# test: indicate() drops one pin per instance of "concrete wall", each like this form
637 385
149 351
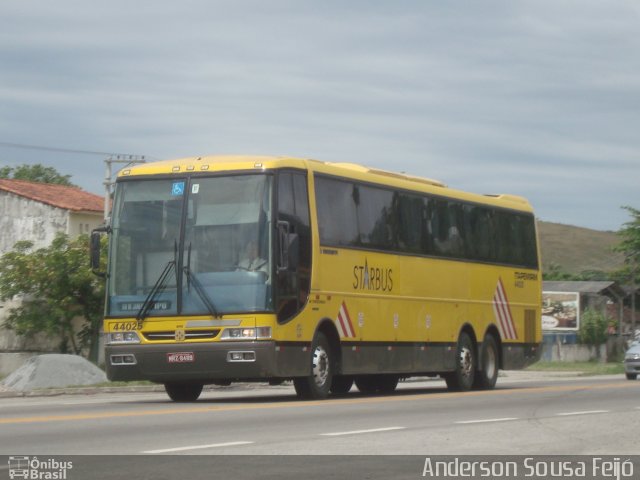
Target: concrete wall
83 223
564 348
558 352
24 219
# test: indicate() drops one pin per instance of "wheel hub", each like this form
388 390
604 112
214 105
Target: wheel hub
466 362
320 366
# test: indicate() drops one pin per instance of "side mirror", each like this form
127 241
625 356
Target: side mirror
94 250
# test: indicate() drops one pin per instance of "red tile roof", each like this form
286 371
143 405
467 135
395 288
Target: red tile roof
68 198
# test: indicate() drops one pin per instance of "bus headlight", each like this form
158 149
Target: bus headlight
259 333
120 338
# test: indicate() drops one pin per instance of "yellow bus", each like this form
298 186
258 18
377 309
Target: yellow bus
249 268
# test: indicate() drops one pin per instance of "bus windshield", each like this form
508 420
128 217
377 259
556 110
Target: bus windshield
215 230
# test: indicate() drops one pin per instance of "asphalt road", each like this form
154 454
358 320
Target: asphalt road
524 415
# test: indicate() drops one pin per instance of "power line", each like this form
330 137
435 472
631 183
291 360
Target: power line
60 150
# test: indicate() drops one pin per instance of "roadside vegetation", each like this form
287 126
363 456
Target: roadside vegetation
58 289
36 173
582 368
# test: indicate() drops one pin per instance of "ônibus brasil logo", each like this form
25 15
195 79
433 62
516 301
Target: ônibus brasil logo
36 469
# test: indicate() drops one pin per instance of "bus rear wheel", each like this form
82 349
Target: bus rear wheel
341 384
461 379
381 383
317 384
183 392
487 374
387 383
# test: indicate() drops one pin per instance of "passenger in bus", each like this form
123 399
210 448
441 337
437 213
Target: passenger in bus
252 261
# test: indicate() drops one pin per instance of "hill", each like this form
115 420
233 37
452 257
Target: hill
577 249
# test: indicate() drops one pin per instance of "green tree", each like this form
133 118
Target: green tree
555 272
594 275
593 328
629 246
57 286
36 173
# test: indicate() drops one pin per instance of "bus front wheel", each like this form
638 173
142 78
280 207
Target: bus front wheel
317 384
183 392
461 379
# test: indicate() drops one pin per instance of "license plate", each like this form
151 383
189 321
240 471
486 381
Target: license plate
181 357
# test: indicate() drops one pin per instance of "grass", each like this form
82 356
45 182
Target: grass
584 368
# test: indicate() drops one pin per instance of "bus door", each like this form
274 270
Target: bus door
293 255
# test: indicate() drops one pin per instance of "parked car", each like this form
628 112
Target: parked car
632 361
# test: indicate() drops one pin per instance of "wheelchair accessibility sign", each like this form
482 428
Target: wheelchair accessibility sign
177 189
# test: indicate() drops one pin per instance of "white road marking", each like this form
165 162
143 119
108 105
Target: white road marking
487 420
198 447
357 432
586 412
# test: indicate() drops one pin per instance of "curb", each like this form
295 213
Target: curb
53 392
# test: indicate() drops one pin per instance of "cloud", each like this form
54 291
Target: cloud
535 98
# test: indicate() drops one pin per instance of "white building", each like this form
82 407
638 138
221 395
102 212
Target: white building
37 212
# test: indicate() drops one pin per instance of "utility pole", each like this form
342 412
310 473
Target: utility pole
108 183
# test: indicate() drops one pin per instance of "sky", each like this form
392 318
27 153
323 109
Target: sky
535 98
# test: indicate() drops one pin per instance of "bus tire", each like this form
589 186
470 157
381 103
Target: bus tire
487 373
387 383
381 383
366 384
631 376
341 384
317 384
461 379
183 392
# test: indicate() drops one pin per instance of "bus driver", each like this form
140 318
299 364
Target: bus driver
252 262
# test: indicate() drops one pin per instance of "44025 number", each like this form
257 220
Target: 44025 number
123 326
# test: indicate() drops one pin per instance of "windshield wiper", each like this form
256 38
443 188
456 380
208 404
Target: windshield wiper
159 286
202 293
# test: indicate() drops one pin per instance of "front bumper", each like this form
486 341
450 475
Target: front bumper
202 362
632 366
